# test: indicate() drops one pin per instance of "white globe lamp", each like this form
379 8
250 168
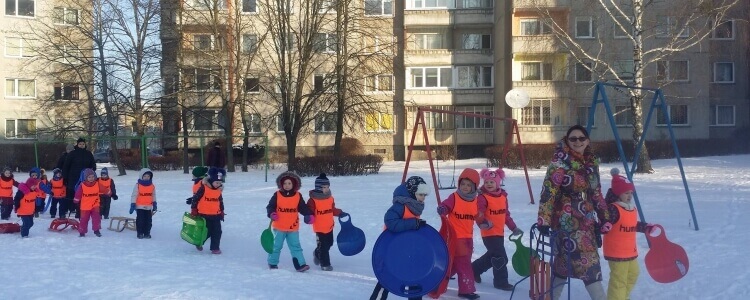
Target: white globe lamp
517 98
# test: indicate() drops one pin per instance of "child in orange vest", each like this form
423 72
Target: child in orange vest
199 173
321 203
284 209
108 191
37 173
461 209
58 194
619 245
492 204
6 193
25 202
404 214
208 203
143 202
87 196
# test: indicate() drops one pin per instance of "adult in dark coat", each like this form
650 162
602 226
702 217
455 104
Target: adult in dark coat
216 157
61 160
75 162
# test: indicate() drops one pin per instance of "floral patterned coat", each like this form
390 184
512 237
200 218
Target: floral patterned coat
572 205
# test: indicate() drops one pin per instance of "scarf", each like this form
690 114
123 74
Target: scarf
414 206
317 194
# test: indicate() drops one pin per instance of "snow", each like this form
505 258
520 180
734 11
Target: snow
51 265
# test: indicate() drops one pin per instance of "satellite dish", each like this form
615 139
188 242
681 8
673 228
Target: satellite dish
517 98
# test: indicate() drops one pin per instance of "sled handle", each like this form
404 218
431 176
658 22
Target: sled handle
510 237
345 215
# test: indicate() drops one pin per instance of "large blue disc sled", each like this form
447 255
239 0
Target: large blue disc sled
351 240
410 263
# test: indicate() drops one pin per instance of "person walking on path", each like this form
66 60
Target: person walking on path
75 162
216 157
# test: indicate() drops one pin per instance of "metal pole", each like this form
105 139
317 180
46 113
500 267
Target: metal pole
36 153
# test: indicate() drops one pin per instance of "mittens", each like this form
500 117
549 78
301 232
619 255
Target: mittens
544 230
309 219
606 227
442 210
114 197
154 205
486 225
132 208
649 227
517 231
189 201
194 212
274 216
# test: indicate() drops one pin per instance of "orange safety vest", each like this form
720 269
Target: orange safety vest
104 186
89 196
497 207
209 204
462 217
197 186
323 215
6 188
39 192
58 189
145 195
407 215
28 204
620 241
287 209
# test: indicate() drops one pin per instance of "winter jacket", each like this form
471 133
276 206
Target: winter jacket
394 217
134 195
75 162
199 196
216 158
112 188
24 205
6 189
61 161
324 216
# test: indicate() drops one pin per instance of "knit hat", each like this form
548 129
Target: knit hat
321 180
104 171
69 147
296 182
216 174
80 139
423 188
32 182
412 185
56 171
470 174
620 184
497 176
200 172
36 171
87 172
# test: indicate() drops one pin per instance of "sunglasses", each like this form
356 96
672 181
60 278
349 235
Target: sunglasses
577 139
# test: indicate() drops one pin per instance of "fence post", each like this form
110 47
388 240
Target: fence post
202 143
36 153
265 153
144 152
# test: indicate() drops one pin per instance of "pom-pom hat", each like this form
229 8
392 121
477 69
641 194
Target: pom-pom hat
620 184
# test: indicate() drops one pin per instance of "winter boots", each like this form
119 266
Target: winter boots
298 267
326 268
273 267
471 296
504 286
596 291
217 251
97 233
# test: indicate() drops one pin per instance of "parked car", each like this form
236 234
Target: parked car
102 156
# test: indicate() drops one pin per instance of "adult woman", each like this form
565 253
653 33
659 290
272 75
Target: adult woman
572 207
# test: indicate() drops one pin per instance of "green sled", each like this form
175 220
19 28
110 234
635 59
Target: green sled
194 229
522 257
266 239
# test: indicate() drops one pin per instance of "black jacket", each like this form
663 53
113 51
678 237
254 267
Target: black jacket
75 162
61 161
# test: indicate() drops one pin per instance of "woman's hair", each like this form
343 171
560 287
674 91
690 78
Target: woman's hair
577 127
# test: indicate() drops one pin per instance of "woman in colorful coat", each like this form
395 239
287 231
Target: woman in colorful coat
572 207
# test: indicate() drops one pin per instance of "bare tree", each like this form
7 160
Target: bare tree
652 39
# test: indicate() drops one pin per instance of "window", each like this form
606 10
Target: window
379 44
289 45
17 47
724 72
474 76
585 27
538 112
536 71
582 115
379 122
324 83
627 25
378 8
65 16
477 3
19 8
280 123
202 42
66 91
327 7
20 88
249 6
468 122
534 27
476 41
203 79
722 115
71 55
325 42
428 41
625 69
678 115
724 30
249 43
671 26
20 129
379 83
209 4
431 77
623 115
205 119
254 121
325 122
676 70
417 4
583 72
252 85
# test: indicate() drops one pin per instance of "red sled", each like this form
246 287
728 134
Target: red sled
61 224
448 234
10 227
666 261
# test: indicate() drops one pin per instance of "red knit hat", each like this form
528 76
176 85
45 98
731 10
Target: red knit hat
470 174
32 182
620 184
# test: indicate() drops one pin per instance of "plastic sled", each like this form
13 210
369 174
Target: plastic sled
666 261
350 240
122 224
61 224
447 234
194 229
522 257
266 239
10 227
410 263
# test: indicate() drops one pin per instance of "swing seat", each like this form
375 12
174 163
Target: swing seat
122 224
61 224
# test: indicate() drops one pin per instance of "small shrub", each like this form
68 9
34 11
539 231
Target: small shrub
352 146
338 166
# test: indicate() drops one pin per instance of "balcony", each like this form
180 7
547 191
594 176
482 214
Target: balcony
526 5
484 96
448 56
545 88
445 17
537 44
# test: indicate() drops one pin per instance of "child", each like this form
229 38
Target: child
198 174
35 172
58 194
492 205
284 209
87 196
322 205
6 193
108 191
461 209
404 214
143 201
25 202
619 241
208 203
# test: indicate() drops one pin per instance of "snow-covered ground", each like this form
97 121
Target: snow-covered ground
51 265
